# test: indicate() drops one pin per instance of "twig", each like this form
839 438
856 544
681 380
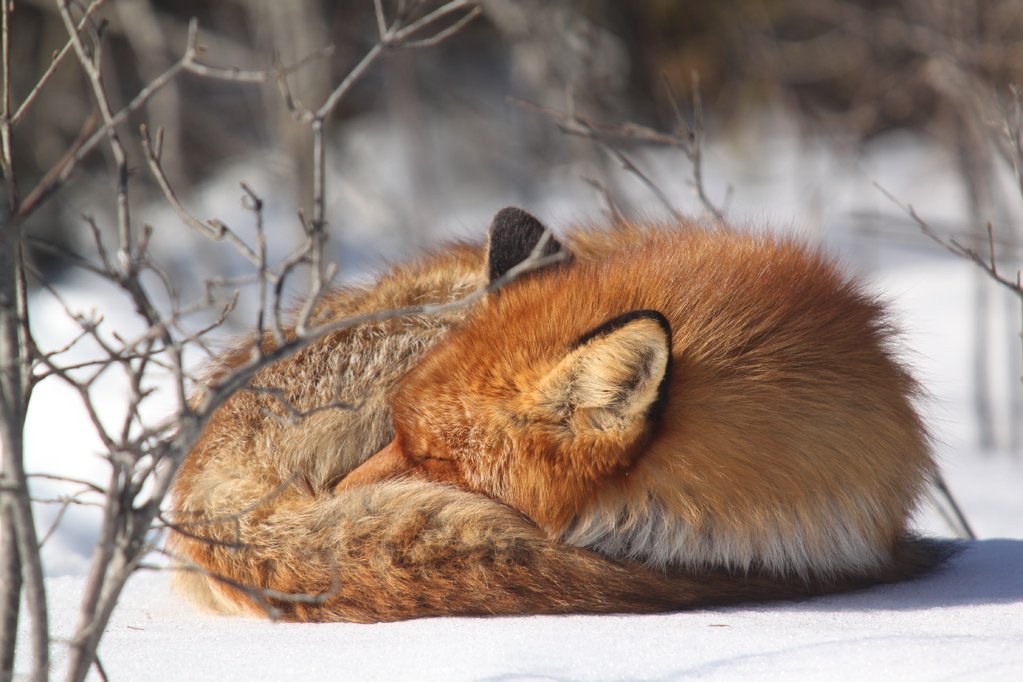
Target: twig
15 507
214 229
99 668
93 71
140 453
446 33
30 98
610 138
6 120
400 34
296 415
92 487
397 36
611 206
188 62
694 151
955 247
964 528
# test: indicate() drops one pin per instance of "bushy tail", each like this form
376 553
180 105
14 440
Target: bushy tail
408 549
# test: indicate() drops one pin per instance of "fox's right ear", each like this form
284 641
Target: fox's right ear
613 378
514 234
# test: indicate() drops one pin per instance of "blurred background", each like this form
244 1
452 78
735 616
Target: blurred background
439 124
802 107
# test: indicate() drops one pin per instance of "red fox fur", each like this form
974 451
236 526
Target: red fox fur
670 417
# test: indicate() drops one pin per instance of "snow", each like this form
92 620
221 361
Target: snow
965 622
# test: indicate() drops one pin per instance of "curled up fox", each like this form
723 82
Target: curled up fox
661 417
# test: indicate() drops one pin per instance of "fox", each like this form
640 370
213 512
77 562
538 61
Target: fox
661 417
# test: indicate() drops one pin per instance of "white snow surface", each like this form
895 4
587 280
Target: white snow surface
965 622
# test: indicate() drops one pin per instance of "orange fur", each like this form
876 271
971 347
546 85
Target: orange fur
786 441
741 412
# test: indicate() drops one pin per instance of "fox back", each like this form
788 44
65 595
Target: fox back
693 399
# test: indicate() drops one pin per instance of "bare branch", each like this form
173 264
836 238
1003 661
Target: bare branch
6 121
955 247
958 521
143 453
214 229
92 487
91 65
610 205
446 33
610 139
402 37
694 134
54 63
15 508
63 170
378 10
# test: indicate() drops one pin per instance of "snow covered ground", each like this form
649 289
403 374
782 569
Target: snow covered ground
964 623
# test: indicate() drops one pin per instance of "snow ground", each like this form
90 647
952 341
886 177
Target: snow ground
964 623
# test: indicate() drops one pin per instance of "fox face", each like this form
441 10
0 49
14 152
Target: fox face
688 398
582 413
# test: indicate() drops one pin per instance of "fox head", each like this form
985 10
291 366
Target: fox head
540 416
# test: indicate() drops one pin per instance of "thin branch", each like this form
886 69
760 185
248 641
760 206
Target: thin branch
6 121
295 415
614 213
955 247
15 508
92 487
695 150
350 80
233 518
30 98
188 62
961 524
395 37
378 10
239 378
446 33
403 37
93 70
608 138
213 229
236 75
688 139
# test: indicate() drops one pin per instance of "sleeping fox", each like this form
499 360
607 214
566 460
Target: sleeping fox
665 417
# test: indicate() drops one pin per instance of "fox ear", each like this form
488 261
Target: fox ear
614 375
514 234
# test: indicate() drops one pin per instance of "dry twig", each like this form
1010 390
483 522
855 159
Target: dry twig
140 452
687 138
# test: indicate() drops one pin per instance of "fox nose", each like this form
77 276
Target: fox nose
387 463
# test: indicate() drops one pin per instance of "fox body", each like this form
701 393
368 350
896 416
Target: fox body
668 417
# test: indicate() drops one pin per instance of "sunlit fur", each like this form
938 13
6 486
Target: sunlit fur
755 473
258 529
256 458
786 441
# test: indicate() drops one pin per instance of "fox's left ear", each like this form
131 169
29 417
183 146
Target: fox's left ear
514 234
614 376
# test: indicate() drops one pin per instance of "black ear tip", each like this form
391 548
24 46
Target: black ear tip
514 233
514 218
